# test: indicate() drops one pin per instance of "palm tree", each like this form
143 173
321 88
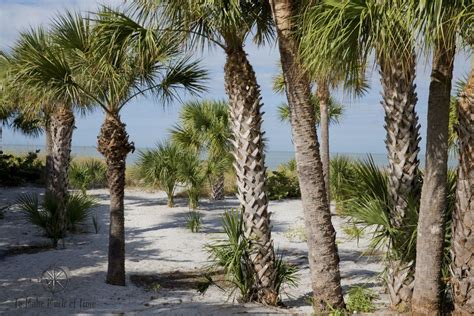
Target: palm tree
204 128
227 25
342 35
322 250
125 60
462 264
439 25
30 77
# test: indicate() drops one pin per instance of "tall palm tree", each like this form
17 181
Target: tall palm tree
462 248
204 128
31 76
462 263
439 25
125 60
322 250
342 35
227 25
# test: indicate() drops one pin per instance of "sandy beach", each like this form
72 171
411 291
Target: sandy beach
158 247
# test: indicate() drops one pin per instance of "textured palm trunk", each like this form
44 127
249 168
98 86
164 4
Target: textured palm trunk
323 96
246 121
113 144
49 155
431 222
462 244
322 250
62 126
402 142
217 188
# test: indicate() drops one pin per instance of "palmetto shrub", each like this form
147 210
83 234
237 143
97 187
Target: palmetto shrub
193 173
88 174
362 190
341 174
169 165
232 254
194 221
159 168
45 214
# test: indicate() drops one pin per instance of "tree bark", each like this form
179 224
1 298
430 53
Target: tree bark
62 126
431 222
49 156
323 96
322 250
246 121
402 142
462 243
217 188
113 144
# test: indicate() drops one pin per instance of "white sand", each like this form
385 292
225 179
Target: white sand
157 243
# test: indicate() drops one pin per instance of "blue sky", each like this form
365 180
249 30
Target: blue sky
360 131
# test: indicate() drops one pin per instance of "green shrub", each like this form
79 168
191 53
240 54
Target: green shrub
194 221
283 182
342 175
282 186
159 168
17 170
78 207
232 254
88 174
360 300
193 173
45 215
171 164
367 204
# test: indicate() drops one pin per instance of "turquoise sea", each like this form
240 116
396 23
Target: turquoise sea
273 158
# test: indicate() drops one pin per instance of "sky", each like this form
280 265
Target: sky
360 130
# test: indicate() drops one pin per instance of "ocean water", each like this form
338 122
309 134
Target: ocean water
273 158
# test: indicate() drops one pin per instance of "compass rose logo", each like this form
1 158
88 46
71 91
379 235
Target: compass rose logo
54 279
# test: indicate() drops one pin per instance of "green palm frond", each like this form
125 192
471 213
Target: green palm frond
213 22
336 111
341 35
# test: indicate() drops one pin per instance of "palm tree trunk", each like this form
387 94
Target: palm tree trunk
322 250
462 244
217 188
323 96
403 137
431 222
62 126
113 144
246 121
49 155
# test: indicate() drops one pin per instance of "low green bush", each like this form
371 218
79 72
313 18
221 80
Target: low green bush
45 214
360 300
18 170
88 174
233 255
194 221
281 186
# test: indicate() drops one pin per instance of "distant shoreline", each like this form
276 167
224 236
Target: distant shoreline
273 157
